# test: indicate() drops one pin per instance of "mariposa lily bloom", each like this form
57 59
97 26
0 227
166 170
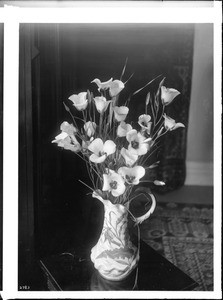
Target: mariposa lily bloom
102 85
128 156
137 144
120 112
114 183
116 87
101 104
101 150
90 128
64 141
168 94
144 122
132 175
68 128
79 101
123 129
170 123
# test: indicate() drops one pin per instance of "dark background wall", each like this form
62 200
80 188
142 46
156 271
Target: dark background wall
55 62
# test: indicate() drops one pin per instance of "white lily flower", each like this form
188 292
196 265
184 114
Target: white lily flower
144 122
114 183
170 123
120 112
101 150
129 157
116 87
79 101
68 128
102 85
123 129
101 104
137 144
64 141
132 175
89 128
168 94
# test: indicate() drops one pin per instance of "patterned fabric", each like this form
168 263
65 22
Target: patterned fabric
172 168
184 235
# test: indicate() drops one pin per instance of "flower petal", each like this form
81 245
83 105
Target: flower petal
168 94
143 149
129 158
101 104
60 136
116 87
97 159
139 171
119 191
169 123
123 171
131 135
102 85
120 188
106 183
178 125
96 146
68 128
109 147
120 112
79 101
123 129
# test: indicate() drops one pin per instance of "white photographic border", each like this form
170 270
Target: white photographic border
96 12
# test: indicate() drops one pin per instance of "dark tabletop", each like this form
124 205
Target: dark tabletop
70 272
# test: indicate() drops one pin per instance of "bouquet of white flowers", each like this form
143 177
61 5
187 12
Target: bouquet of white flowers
116 151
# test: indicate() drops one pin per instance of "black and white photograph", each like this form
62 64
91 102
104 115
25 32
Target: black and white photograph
116 157
109 163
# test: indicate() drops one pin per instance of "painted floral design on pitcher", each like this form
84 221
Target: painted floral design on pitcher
114 255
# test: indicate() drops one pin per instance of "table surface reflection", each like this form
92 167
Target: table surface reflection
66 272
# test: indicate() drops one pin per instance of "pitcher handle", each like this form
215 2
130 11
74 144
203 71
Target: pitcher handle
149 195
